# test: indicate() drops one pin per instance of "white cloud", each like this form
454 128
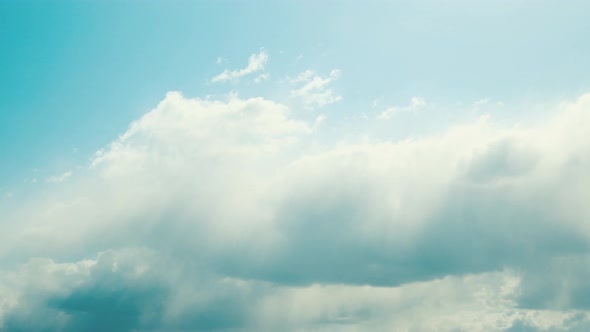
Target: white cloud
261 78
481 102
314 90
416 103
210 212
319 120
59 178
485 102
256 63
30 180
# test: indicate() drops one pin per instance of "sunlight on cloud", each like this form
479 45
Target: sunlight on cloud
234 214
239 166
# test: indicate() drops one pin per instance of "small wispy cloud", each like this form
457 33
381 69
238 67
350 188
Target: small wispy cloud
261 78
30 180
486 102
256 63
416 103
59 178
481 102
319 120
314 90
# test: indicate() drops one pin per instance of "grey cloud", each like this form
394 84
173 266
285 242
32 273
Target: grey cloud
505 158
557 283
233 228
130 290
576 322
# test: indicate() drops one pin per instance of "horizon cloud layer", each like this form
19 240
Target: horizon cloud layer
238 215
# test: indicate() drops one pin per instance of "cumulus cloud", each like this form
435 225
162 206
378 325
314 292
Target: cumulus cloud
314 90
235 215
256 63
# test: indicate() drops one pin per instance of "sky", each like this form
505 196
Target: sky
294 166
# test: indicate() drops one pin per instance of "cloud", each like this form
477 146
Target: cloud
236 215
256 63
481 102
59 178
319 120
121 291
138 289
415 104
374 103
314 90
261 78
486 101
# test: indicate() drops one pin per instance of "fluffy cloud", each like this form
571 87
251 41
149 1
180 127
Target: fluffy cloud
221 215
314 90
256 63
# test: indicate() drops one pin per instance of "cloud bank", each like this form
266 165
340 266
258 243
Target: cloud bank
234 214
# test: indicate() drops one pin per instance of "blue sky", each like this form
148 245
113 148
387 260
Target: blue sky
201 165
75 73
